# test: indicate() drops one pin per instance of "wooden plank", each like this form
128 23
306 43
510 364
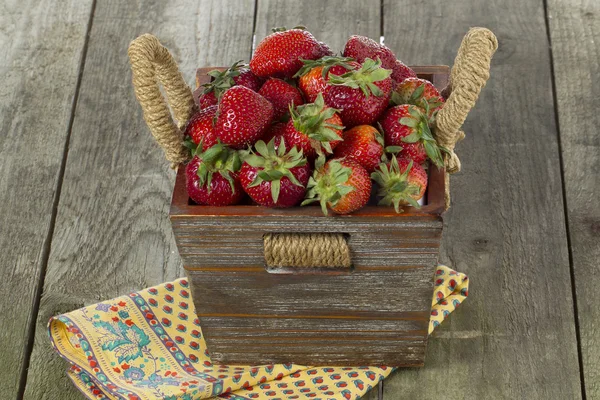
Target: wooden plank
112 231
330 21
41 45
574 29
514 337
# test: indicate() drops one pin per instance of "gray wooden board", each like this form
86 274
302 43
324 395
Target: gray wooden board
515 336
112 231
574 31
41 47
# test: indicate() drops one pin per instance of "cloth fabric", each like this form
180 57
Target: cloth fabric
149 345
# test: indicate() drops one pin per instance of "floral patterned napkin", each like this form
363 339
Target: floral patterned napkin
149 345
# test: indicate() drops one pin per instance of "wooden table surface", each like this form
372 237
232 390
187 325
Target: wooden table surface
84 191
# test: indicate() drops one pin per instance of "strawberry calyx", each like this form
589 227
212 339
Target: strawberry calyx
283 28
311 120
328 185
394 186
363 78
223 80
386 149
419 122
326 62
273 164
217 159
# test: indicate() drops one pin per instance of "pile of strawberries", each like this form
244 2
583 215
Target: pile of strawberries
299 125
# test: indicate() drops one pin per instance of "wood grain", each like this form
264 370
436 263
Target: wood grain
514 337
225 263
574 31
112 231
41 48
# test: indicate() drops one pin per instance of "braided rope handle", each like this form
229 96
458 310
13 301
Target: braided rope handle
469 75
152 64
306 250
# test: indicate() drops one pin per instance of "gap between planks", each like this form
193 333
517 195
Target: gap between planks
565 205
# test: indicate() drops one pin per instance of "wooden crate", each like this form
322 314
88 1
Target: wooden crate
374 313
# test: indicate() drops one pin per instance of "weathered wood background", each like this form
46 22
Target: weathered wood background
84 192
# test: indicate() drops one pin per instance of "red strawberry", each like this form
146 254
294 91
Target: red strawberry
280 53
212 176
419 92
407 126
401 182
314 128
207 99
325 50
361 95
341 185
281 95
400 72
275 178
237 74
248 79
313 74
275 131
243 117
360 48
201 127
362 144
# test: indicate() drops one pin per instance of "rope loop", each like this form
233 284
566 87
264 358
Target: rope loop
152 64
469 75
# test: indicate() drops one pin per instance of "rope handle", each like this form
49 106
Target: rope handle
468 76
306 250
152 64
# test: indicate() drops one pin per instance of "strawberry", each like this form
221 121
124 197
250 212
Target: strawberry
400 72
314 128
274 131
401 182
362 144
313 74
237 74
419 92
341 185
212 176
361 95
207 99
325 50
275 177
407 126
200 128
243 117
280 53
361 47
248 79
281 94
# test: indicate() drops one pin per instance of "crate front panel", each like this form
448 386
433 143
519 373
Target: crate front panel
377 312
315 341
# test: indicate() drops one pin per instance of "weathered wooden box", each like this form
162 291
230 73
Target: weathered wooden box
373 313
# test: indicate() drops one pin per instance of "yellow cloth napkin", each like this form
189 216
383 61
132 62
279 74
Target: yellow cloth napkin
149 345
